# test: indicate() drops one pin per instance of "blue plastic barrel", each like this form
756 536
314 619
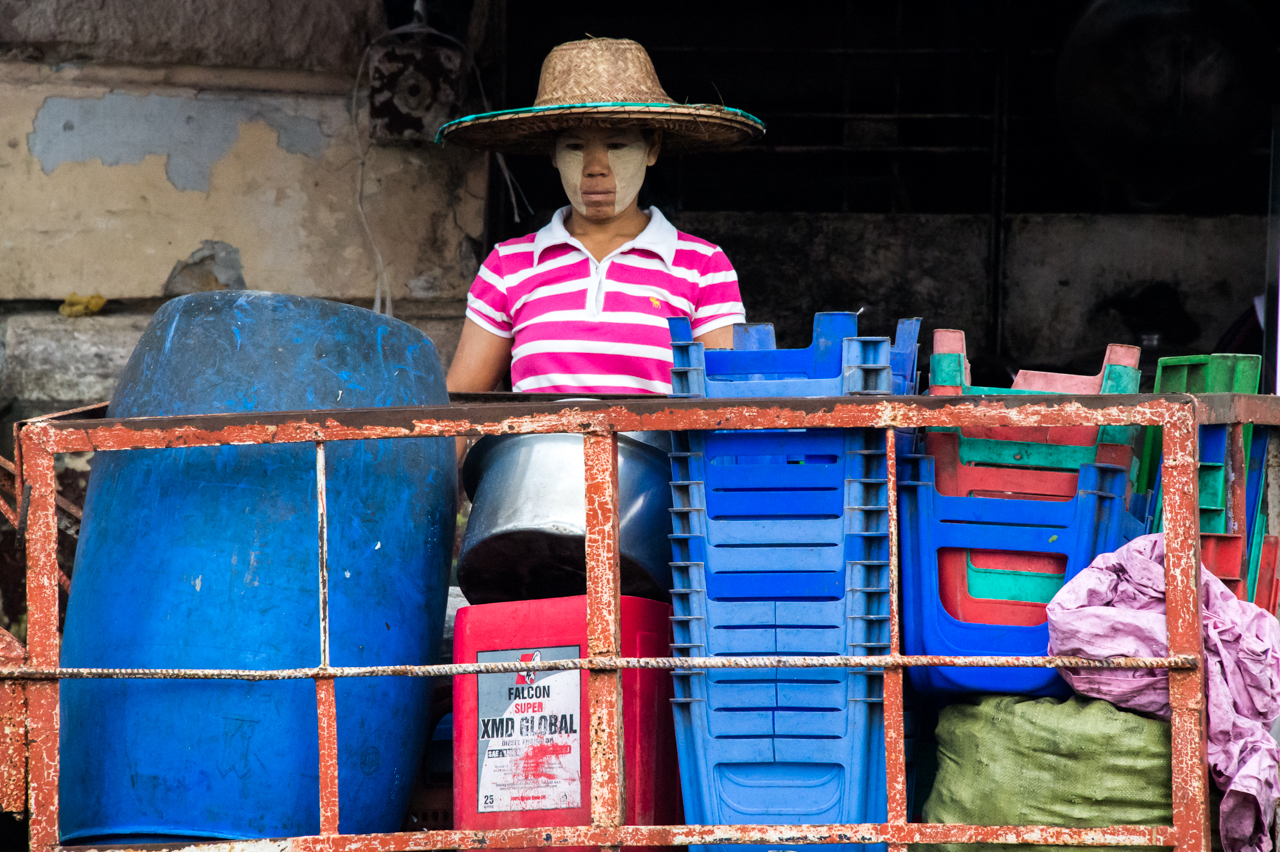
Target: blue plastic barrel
207 558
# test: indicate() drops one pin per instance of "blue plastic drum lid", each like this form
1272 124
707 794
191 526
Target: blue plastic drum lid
207 558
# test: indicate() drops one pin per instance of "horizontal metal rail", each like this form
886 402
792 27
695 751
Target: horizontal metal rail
681 835
600 664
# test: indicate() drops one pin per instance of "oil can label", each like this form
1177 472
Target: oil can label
529 745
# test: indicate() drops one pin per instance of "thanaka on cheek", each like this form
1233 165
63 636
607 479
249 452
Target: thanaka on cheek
628 165
569 163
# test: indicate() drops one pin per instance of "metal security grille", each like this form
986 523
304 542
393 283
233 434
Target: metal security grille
907 106
36 679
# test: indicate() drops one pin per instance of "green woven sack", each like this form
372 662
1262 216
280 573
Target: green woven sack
1079 763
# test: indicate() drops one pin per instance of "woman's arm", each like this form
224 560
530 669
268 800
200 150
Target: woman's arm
719 338
480 362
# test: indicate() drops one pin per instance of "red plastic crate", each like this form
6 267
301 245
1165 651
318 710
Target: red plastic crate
1222 555
1268 591
1021 483
535 772
961 480
953 586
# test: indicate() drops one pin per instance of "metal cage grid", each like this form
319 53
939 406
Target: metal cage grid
29 686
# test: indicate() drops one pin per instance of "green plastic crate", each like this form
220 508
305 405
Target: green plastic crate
999 585
947 369
1222 373
1255 555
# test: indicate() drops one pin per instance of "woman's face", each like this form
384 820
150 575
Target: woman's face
602 168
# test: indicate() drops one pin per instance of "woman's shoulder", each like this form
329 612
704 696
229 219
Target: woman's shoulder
516 246
696 253
511 255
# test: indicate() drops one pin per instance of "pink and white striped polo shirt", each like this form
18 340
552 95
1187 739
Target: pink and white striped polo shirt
582 326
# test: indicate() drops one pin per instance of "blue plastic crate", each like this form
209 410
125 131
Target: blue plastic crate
782 546
1091 523
903 357
837 363
775 507
1253 483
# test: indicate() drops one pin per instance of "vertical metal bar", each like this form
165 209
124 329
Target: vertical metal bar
13 747
999 190
899 201
42 639
608 776
327 716
1237 498
326 703
1182 599
894 737
1270 363
845 72
322 524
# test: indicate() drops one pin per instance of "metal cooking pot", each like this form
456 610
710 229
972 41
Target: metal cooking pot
526 538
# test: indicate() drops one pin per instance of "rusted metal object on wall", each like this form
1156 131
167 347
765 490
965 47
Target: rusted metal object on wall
415 87
599 421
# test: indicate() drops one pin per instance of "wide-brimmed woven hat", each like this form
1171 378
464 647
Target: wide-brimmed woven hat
602 81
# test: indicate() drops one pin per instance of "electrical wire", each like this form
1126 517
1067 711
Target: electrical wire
382 288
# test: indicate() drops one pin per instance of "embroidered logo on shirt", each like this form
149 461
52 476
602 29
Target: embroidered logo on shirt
655 301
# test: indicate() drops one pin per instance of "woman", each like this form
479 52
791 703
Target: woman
581 305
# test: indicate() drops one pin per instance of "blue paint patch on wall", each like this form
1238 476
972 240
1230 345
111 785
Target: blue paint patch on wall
193 132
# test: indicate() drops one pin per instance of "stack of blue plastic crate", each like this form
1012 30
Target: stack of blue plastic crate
781 545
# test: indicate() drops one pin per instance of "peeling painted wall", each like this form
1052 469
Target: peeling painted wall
105 190
313 35
190 133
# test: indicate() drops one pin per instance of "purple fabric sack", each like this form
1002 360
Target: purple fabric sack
1115 608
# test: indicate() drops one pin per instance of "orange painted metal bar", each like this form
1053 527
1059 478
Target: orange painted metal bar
893 708
42 643
598 422
603 417
685 835
1182 605
326 702
604 688
327 714
1237 499
13 747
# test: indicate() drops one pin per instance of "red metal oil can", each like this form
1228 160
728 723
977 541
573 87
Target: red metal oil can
520 740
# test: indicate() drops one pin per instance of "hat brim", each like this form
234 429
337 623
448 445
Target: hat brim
685 127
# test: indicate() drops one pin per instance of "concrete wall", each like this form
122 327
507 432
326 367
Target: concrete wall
150 148
1075 283
1072 283
316 35
791 266
142 184
106 188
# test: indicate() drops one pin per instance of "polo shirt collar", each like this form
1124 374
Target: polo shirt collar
659 236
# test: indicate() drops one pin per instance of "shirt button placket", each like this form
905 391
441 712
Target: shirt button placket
601 271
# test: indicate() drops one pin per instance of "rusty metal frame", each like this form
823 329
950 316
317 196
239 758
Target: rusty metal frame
39 674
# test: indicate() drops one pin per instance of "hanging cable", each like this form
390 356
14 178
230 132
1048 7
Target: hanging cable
382 288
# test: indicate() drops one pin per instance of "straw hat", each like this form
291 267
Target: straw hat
602 80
